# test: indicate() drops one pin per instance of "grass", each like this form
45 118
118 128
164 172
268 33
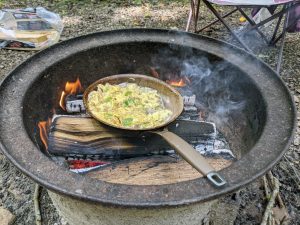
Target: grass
72 3
63 7
2 3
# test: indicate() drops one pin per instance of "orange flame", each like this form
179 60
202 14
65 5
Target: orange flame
44 126
180 83
62 100
70 88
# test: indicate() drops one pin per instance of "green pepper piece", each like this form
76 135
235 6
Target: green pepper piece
127 121
131 101
108 99
128 93
108 115
128 102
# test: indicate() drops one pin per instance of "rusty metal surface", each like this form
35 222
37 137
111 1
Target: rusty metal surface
19 148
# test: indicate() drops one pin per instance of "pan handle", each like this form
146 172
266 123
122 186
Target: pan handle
193 157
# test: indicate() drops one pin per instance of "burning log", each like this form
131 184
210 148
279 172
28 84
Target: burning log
85 136
189 100
77 135
74 104
152 170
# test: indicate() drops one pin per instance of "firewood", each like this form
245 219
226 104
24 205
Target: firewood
152 170
77 135
80 135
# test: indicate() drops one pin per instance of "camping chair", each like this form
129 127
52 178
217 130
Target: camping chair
240 6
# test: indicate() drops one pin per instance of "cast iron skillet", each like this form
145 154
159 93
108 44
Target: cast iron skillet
174 102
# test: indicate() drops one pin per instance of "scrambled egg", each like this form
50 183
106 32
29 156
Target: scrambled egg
128 105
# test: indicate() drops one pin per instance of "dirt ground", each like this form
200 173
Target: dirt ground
82 17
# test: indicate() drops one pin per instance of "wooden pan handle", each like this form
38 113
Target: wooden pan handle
194 158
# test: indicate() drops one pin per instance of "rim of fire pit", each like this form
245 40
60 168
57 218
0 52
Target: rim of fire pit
274 141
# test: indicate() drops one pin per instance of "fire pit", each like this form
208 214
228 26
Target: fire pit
247 101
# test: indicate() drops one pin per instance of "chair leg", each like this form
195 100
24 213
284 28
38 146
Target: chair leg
193 15
214 11
188 24
283 11
279 60
275 30
196 15
215 21
252 23
280 36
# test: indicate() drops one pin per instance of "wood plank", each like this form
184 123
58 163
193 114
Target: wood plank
77 135
76 124
83 135
79 124
152 170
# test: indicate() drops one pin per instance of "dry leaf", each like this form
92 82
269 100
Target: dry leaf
280 214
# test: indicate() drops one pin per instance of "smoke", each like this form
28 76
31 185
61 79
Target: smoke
252 40
255 40
196 68
218 90
215 82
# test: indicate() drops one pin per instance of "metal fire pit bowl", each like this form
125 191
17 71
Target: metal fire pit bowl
259 134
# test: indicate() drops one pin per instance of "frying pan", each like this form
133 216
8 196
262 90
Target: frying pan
172 101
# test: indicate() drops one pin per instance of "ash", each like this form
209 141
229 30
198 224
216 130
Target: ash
212 147
217 147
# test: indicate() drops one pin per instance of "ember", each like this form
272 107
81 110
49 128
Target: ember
179 83
182 82
80 164
71 88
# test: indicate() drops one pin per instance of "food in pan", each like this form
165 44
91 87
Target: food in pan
128 105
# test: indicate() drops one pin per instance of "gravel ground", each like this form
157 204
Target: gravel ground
16 190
